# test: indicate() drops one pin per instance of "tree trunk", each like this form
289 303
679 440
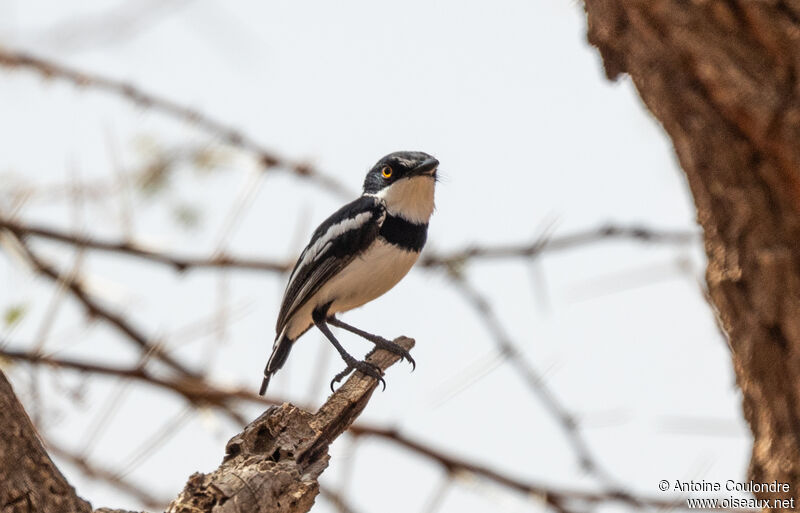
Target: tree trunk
722 77
29 480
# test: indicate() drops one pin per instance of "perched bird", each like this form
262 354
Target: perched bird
360 252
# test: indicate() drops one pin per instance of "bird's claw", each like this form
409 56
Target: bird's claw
366 368
393 347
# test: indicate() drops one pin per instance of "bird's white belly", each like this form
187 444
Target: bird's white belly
367 277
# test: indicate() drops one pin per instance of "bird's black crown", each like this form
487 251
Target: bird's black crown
397 166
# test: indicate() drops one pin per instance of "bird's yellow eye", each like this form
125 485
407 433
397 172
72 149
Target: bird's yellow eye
386 172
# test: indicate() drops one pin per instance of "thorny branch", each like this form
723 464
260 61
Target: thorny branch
179 263
539 246
535 382
526 250
197 390
142 98
557 498
96 309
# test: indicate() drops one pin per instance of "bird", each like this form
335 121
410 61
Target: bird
356 255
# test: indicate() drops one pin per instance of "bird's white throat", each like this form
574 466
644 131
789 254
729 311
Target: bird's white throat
410 198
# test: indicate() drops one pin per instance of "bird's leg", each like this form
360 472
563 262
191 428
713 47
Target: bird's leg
352 364
380 342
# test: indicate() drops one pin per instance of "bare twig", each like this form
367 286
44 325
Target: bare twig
439 495
529 374
142 98
336 499
557 498
179 263
196 390
537 385
428 260
540 245
96 309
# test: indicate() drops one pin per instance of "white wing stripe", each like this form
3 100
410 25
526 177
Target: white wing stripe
320 245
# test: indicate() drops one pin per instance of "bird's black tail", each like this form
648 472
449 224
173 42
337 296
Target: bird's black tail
280 352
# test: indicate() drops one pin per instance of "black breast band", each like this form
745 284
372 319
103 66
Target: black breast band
404 234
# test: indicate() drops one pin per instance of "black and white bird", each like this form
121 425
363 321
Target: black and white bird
360 252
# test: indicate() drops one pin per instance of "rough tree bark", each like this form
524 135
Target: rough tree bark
722 78
29 480
270 467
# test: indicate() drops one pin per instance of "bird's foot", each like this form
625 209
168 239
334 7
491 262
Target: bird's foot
393 347
380 342
366 368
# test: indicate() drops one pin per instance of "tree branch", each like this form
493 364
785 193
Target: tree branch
429 259
142 98
542 245
534 381
557 498
196 390
179 263
96 309
274 464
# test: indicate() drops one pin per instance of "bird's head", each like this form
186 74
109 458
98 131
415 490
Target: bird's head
405 181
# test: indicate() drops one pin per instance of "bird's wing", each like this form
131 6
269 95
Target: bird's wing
337 241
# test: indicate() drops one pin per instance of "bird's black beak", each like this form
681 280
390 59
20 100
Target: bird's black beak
427 167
